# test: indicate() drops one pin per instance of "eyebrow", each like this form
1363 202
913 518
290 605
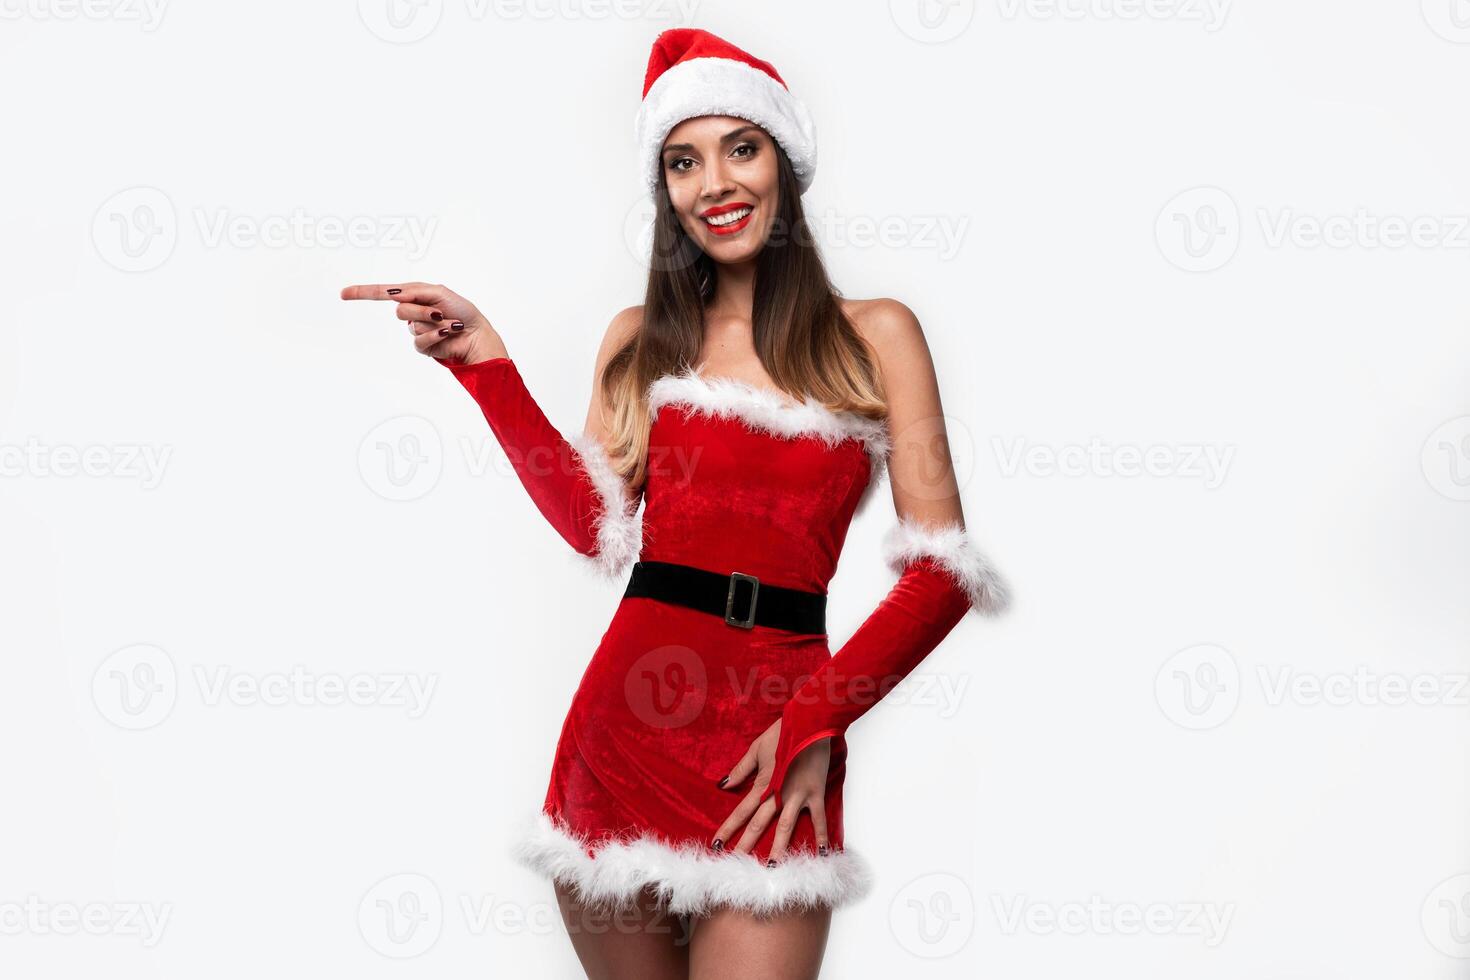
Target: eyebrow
685 147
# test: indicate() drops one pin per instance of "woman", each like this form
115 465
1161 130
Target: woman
752 411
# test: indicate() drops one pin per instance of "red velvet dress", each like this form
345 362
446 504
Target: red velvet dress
739 479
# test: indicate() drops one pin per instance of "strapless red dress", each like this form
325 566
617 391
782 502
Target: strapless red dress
742 479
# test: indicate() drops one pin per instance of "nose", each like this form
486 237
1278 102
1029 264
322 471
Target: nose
717 180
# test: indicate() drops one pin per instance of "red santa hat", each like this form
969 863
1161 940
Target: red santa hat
694 73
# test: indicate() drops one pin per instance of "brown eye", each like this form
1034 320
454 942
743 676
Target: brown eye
744 146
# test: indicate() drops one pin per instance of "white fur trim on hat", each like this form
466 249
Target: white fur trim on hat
724 87
618 526
766 411
688 878
955 551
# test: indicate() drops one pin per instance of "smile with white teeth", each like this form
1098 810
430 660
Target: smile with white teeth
729 217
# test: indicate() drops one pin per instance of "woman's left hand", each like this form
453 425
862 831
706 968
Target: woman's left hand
805 788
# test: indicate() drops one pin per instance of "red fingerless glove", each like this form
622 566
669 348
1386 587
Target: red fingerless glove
942 575
572 482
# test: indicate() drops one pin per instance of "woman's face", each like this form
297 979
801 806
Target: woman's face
721 173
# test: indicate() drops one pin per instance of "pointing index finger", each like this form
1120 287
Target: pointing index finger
373 291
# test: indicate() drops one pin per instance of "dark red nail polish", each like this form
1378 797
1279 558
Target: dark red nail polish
394 292
458 324
770 862
723 781
444 332
718 845
822 850
436 315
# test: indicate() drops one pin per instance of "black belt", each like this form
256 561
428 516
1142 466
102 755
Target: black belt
722 595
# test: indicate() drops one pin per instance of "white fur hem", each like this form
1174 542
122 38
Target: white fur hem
724 87
766 411
618 527
688 878
952 546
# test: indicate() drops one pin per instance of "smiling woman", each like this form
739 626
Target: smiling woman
700 768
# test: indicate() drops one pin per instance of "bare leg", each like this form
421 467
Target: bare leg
635 943
732 945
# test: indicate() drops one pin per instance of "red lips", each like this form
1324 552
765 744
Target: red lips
733 226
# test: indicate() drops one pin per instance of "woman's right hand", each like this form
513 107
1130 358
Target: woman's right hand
444 324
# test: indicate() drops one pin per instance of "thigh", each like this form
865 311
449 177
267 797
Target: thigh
729 944
634 943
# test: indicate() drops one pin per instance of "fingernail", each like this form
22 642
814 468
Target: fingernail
436 315
822 850
394 292
456 325
723 781
444 332
718 845
770 862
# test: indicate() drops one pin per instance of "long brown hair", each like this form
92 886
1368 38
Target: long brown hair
804 341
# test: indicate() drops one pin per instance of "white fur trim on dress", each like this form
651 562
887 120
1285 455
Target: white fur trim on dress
765 411
618 527
724 87
952 546
688 878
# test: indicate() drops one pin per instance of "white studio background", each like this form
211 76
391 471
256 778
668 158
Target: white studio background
1193 272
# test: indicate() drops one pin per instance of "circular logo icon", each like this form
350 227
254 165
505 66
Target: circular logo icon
400 21
1445 916
1199 230
933 916
402 458
1198 687
1450 19
1446 459
932 21
136 687
401 916
666 687
945 442
135 230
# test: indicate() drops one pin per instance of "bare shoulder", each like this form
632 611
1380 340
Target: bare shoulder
624 326
896 336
